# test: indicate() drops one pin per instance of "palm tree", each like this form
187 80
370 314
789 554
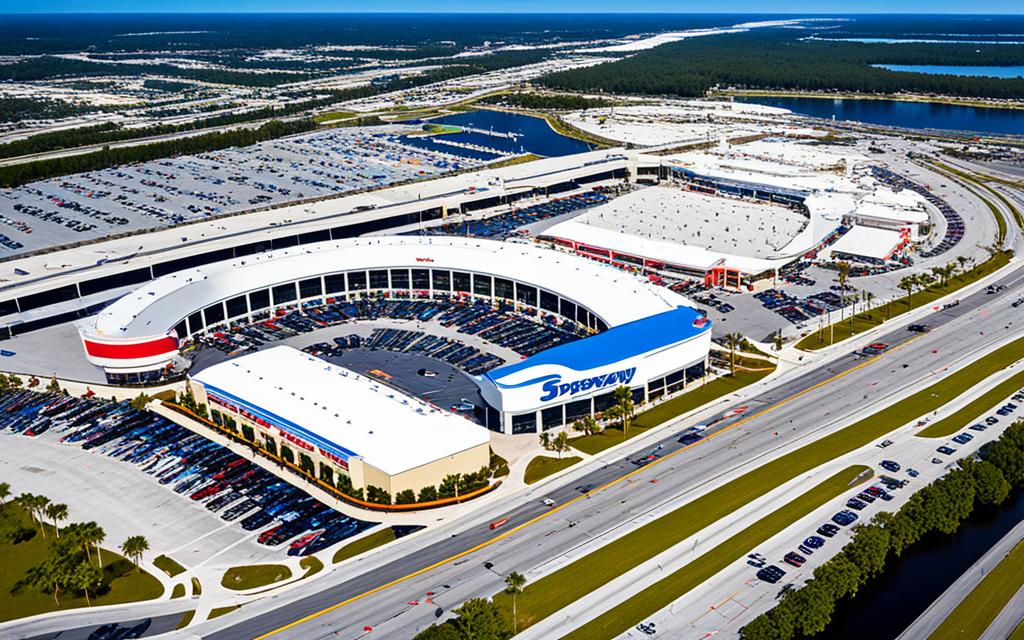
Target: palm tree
907 283
624 402
843 268
964 261
515 581
85 577
5 492
27 501
40 503
734 340
91 534
586 425
561 443
545 440
134 547
57 512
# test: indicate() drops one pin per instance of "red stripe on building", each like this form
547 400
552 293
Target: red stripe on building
131 351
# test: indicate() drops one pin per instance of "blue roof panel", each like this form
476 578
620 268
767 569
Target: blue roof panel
616 344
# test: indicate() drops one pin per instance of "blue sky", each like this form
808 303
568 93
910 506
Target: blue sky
727 6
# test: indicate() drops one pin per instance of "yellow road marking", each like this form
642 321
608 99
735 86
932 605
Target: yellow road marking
555 509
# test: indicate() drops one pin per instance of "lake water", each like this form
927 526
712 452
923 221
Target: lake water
888 605
980 72
533 135
910 115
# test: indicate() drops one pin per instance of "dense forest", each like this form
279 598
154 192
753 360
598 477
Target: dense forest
17 109
547 101
45 67
777 60
18 174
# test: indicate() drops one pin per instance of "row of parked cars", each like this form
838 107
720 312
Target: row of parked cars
186 463
954 221
469 359
772 573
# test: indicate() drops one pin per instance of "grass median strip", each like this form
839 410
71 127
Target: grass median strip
254 575
543 466
573 581
664 592
364 544
953 423
981 606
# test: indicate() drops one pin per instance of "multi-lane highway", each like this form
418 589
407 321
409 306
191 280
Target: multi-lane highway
450 563
606 497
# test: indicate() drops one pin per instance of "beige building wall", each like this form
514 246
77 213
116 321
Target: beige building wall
362 474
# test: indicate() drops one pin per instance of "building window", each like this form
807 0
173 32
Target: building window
482 285
421 278
503 289
259 299
284 293
442 280
334 283
237 307
310 288
551 417
356 280
526 294
379 279
576 409
399 278
213 314
548 301
524 423
461 281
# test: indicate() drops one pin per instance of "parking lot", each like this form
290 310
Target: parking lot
190 497
171 191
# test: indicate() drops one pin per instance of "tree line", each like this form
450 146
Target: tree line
68 567
779 60
110 132
545 101
939 508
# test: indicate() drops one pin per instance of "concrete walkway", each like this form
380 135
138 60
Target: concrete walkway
938 611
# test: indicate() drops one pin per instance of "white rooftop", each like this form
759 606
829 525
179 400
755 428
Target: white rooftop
388 429
866 241
155 308
716 223
661 250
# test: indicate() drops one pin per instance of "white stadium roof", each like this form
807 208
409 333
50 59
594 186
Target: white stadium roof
388 429
613 295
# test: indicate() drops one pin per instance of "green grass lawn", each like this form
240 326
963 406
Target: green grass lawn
364 544
556 590
311 565
186 618
543 466
197 588
697 396
333 115
168 566
957 421
122 582
178 591
662 593
254 575
866 320
1018 632
973 615
219 611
